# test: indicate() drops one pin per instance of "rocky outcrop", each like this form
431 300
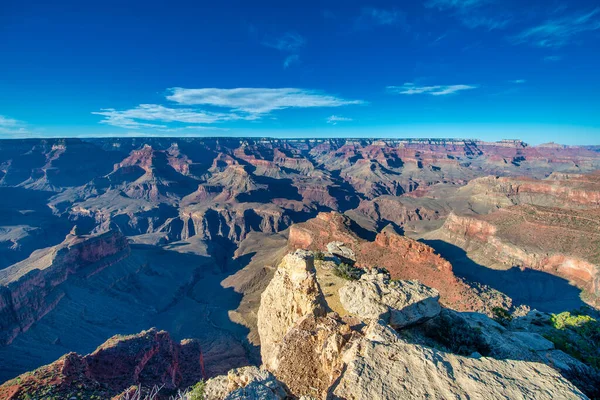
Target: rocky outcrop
382 365
551 240
343 252
232 221
558 190
309 360
400 303
403 257
31 288
245 383
148 358
403 211
322 356
292 293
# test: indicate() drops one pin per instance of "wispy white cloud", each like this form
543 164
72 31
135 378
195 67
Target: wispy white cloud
446 4
257 101
289 42
436 90
382 17
12 127
158 116
225 105
370 17
6 122
334 119
291 60
553 58
486 22
561 31
518 81
473 14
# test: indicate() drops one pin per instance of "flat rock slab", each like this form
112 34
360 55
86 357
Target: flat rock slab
382 366
340 250
400 303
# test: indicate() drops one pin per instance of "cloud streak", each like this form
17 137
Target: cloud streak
561 31
370 17
436 90
291 60
473 14
460 4
334 119
159 116
218 106
257 101
12 127
290 42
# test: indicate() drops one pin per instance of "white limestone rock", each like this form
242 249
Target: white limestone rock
400 303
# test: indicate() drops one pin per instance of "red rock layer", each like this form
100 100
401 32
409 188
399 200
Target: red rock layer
149 358
405 258
558 241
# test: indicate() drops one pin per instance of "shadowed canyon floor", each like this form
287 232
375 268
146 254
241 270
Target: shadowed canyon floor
186 234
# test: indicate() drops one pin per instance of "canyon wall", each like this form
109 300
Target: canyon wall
31 289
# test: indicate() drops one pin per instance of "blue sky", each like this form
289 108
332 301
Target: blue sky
487 69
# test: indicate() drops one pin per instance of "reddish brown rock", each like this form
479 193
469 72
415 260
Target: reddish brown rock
403 257
148 358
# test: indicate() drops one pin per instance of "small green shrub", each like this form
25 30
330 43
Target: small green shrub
569 320
501 315
197 391
577 335
347 271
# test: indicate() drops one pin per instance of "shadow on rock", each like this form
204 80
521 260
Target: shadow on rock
536 289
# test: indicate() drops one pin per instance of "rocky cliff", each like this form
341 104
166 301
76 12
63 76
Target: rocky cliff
31 288
325 356
148 358
552 240
292 293
403 257
558 190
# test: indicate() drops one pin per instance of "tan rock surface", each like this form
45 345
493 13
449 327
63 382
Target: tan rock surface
244 383
292 293
382 366
399 303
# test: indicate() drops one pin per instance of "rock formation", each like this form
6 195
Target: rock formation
245 383
382 365
340 250
403 257
399 304
292 293
149 358
552 240
30 289
207 220
322 356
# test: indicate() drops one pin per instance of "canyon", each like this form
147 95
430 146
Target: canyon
114 236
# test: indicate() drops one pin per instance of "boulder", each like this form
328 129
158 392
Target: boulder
400 303
383 366
310 356
343 252
292 293
245 383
